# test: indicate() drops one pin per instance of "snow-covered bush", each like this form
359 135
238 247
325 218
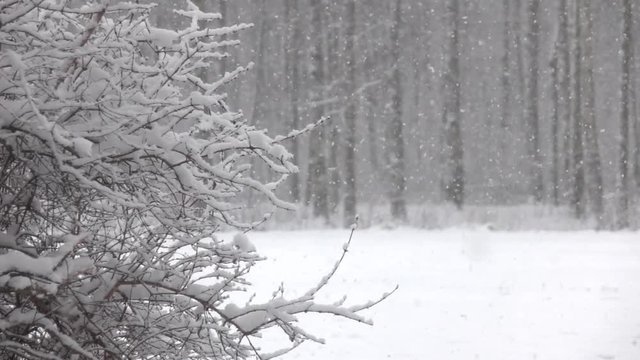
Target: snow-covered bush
118 164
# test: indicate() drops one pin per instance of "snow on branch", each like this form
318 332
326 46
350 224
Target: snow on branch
118 163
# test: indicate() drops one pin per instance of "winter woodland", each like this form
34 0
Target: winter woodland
120 161
134 134
477 105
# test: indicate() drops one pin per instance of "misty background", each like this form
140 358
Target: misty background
496 111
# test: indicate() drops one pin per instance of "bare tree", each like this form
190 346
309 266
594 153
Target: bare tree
262 30
350 198
625 116
454 177
505 79
555 127
589 124
117 169
395 128
532 115
317 181
564 91
294 86
561 93
578 171
335 90
521 51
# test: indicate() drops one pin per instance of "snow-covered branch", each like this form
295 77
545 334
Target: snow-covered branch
118 163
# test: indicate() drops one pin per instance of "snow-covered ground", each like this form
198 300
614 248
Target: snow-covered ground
465 294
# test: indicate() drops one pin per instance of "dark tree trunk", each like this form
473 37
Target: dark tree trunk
533 118
577 198
454 177
625 117
317 184
335 80
560 126
505 79
589 124
350 199
395 128
555 129
292 59
564 93
258 102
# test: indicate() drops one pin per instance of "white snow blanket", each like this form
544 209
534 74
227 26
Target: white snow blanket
465 294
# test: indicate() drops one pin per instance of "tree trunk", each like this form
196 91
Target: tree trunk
373 139
590 127
317 182
292 59
395 128
520 66
454 179
625 117
564 93
532 118
258 102
335 89
577 198
560 126
505 80
555 127
350 199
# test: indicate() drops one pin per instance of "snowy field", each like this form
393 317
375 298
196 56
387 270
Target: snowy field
465 294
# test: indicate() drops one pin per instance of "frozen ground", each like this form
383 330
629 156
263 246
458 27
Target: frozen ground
466 294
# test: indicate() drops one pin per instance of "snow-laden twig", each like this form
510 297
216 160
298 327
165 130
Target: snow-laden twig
345 248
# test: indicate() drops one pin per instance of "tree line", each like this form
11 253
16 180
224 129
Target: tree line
497 102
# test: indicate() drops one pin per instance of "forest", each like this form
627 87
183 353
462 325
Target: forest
495 103
144 146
